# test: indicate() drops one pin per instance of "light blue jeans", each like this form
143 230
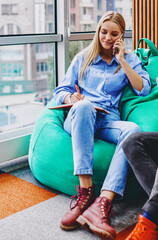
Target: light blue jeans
84 123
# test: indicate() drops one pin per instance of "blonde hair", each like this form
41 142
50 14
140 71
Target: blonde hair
95 47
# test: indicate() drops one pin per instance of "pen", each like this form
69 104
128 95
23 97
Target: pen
77 89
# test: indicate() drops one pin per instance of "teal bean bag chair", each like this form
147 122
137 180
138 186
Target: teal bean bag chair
50 152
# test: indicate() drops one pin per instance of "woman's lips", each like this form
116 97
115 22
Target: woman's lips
108 43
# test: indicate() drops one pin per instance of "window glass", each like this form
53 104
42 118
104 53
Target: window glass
27 17
87 13
27 80
75 47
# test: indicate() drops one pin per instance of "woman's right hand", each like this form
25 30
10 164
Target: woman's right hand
75 97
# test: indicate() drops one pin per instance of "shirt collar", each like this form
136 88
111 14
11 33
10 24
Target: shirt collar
99 58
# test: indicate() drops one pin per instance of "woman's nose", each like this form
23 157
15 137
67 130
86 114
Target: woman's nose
108 37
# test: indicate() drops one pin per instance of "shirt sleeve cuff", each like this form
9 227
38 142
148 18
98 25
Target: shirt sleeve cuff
146 89
60 97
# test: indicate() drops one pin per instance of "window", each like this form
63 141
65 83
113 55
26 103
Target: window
98 18
99 4
14 9
84 11
73 19
72 3
110 5
10 28
131 12
9 9
12 71
50 27
50 9
5 9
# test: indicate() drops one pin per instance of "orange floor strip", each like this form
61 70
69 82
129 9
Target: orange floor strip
17 195
124 233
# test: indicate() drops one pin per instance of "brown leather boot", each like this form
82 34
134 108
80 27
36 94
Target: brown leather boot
98 218
86 197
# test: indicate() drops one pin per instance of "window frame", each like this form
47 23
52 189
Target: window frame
17 141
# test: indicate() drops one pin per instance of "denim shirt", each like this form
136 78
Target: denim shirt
100 84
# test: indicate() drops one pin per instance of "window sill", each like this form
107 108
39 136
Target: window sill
15 144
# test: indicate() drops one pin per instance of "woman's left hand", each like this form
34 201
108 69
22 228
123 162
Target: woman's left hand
120 46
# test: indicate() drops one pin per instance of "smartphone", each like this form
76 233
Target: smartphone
116 50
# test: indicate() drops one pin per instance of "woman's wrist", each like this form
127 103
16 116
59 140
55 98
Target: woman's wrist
68 99
122 61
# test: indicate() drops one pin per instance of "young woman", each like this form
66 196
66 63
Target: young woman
101 72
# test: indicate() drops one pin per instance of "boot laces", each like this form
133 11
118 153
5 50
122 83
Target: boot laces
83 195
106 208
138 231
